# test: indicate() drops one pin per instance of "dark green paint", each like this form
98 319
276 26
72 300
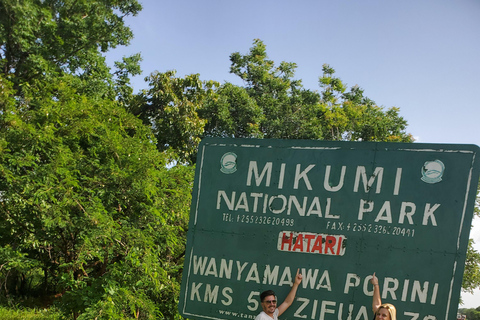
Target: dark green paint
420 263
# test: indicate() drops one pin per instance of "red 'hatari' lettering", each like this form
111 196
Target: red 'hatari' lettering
311 243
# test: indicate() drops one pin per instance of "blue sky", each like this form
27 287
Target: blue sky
420 56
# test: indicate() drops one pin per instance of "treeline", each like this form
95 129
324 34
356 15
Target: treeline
471 314
95 179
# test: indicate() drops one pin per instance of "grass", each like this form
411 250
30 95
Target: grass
29 314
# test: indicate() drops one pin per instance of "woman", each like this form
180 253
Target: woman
384 311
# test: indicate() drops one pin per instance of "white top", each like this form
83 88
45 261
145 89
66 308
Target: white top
263 316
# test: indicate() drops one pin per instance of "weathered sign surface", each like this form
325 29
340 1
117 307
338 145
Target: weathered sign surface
339 211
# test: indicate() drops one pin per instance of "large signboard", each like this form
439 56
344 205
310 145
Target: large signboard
338 211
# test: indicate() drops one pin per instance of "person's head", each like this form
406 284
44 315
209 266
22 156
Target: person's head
269 301
386 311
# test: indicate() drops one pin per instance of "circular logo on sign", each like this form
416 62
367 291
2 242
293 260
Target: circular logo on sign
432 171
228 164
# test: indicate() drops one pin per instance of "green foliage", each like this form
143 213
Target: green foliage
477 202
171 106
354 117
292 112
128 67
232 113
471 314
471 276
288 111
90 215
87 202
40 40
272 104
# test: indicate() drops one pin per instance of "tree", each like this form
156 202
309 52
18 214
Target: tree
354 117
272 104
297 113
40 40
232 113
89 211
471 275
171 107
471 314
289 111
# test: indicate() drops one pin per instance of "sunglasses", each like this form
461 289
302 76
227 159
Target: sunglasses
270 301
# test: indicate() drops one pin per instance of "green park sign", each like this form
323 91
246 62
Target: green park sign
338 211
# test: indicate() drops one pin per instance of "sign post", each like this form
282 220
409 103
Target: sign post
338 211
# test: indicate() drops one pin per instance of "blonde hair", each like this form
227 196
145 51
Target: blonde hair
391 310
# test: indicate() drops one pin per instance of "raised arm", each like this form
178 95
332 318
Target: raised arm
377 300
291 295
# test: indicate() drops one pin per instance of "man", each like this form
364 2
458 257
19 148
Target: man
268 300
